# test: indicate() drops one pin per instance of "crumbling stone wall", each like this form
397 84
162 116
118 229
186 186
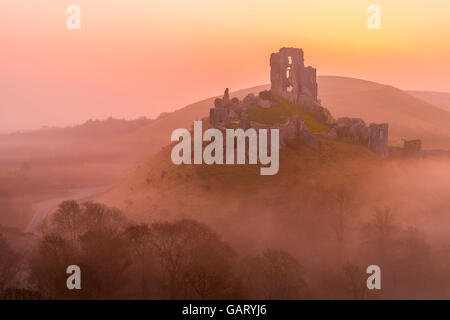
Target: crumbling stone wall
412 146
354 129
378 138
289 77
411 149
293 130
218 117
297 84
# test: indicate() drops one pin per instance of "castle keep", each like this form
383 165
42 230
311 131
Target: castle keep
295 85
289 78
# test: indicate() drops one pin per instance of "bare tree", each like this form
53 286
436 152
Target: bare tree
341 216
99 218
274 274
68 220
48 266
138 238
8 264
193 259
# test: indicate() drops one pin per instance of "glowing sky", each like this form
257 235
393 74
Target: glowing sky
142 57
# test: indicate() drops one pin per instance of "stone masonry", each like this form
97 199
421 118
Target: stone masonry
378 138
289 77
297 84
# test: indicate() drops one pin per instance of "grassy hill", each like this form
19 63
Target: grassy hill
439 99
157 134
319 202
409 117
238 201
158 189
280 110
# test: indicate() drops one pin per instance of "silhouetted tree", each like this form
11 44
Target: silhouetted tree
8 263
48 265
354 281
193 261
274 274
105 259
138 239
340 219
99 218
71 219
67 220
89 235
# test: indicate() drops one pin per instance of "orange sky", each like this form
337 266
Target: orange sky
142 57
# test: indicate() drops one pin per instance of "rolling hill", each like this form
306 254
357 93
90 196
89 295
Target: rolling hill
440 99
157 134
320 204
318 197
233 198
41 164
159 190
408 116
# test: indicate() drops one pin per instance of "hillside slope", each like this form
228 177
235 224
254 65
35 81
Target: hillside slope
439 99
42 164
231 198
317 199
408 116
157 134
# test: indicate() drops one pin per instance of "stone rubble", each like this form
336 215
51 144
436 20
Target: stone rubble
297 84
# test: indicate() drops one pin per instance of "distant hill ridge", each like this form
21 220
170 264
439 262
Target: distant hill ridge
90 129
439 99
408 116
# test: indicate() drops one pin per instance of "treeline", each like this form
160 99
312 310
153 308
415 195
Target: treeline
107 128
185 259
119 260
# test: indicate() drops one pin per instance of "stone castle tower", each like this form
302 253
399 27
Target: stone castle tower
289 77
297 84
378 138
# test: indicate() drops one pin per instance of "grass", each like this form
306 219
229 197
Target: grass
282 109
233 126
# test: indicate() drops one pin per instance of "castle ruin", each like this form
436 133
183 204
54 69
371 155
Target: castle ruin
289 78
378 138
296 84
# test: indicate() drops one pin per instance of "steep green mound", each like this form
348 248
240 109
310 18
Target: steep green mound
159 189
280 110
304 202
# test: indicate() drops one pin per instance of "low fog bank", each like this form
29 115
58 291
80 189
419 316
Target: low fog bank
47 163
311 241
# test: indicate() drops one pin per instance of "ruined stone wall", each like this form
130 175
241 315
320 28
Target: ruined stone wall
309 82
297 84
353 129
378 139
218 117
412 146
293 130
290 78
